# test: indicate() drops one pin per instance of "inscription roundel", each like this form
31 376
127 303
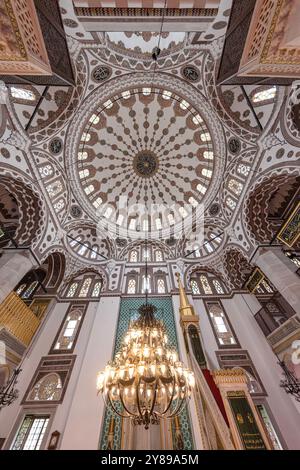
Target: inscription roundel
101 73
234 145
191 73
55 146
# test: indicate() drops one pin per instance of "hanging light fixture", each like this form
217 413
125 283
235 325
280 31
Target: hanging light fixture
146 377
8 393
290 383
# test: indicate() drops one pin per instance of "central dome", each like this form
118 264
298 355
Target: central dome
150 145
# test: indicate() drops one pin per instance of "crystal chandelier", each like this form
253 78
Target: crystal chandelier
146 378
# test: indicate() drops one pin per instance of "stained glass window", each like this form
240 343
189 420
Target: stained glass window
131 288
133 256
243 169
45 171
218 286
48 388
72 289
230 203
54 189
29 291
195 287
235 186
205 285
158 255
146 284
20 289
59 205
85 287
96 289
69 330
206 172
161 287
31 433
220 324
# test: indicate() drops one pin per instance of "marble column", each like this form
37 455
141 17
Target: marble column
14 264
281 273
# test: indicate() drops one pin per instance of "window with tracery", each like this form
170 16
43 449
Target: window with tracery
29 291
158 255
68 332
133 256
20 289
96 289
72 289
235 186
195 287
230 203
48 388
54 189
161 286
218 287
205 284
46 170
243 169
85 287
131 288
220 324
146 284
31 433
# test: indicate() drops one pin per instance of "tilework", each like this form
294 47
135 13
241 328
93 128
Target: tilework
129 311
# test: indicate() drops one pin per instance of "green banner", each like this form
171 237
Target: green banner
245 421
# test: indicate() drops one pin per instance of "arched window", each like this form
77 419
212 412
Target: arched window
195 287
96 289
220 324
131 288
133 256
20 289
68 331
29 291
72 289
218 286
158 255
161 286
54 188
146 285
146 254
48 388
85 287
205 285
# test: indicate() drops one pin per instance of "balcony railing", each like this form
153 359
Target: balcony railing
18 319
283 336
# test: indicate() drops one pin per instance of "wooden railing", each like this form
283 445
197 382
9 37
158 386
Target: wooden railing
18 319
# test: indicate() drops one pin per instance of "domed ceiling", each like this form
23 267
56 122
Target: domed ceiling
150 144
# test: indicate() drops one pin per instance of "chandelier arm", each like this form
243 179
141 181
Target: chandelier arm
154 399
137 398
125 407
178 409
170 401
113 408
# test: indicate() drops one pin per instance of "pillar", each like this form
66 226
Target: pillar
281 273
14 264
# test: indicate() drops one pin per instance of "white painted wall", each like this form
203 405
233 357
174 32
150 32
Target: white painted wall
85 408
